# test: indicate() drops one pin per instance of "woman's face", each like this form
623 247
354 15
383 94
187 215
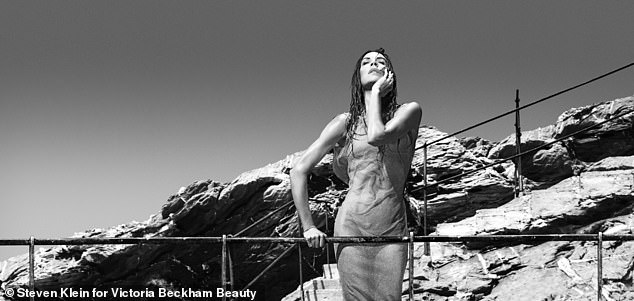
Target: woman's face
373 66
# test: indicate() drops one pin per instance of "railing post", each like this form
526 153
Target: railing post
301 273
32 266
600 266
223 269
426 244
411 265
327 244
231 279
518 146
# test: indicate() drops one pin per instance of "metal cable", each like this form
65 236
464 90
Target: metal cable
286 205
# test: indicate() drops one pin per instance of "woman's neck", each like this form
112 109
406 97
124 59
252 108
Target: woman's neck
366 97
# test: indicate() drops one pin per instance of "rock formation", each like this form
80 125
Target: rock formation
583 184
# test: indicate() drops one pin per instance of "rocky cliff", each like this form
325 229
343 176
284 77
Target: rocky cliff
583 184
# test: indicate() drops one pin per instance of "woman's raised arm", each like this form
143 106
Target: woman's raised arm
332 133
407 117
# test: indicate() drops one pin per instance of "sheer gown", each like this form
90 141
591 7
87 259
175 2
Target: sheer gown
374 206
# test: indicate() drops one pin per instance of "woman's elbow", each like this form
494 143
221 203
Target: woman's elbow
298 172
376 140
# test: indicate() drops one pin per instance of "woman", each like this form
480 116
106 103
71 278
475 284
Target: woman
373 149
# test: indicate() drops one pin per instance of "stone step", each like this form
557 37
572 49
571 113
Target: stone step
326 288
321 283
323 295
331 271
329 293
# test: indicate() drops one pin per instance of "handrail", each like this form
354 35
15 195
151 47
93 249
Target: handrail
528 105
600 238
333 239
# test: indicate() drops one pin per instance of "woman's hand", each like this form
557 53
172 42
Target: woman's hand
384 84
315 238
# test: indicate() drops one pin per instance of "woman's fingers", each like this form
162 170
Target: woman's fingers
389 79
386 83
312 241
319 241
315 238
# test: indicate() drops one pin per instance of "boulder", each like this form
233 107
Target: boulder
615 138
574 202
549 163
560 160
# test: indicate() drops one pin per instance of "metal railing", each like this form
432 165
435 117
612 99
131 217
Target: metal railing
410 240
225 240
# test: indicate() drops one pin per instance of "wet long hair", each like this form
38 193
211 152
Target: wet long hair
357 102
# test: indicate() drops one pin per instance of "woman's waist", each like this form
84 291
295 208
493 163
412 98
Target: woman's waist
374 196
375 186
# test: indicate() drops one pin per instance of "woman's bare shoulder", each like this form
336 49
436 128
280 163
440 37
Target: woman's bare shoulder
339 124
336 128
411 106
411 111
343 116
340 119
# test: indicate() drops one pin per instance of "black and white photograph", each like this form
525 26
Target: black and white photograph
294 150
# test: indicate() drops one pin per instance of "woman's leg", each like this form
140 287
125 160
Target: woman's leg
390 264
371 272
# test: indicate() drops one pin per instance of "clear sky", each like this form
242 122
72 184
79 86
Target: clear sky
108 107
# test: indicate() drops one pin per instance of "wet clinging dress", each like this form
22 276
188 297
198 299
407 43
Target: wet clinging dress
374 206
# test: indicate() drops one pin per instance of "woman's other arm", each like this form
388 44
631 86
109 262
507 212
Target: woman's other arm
406 118
332 133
